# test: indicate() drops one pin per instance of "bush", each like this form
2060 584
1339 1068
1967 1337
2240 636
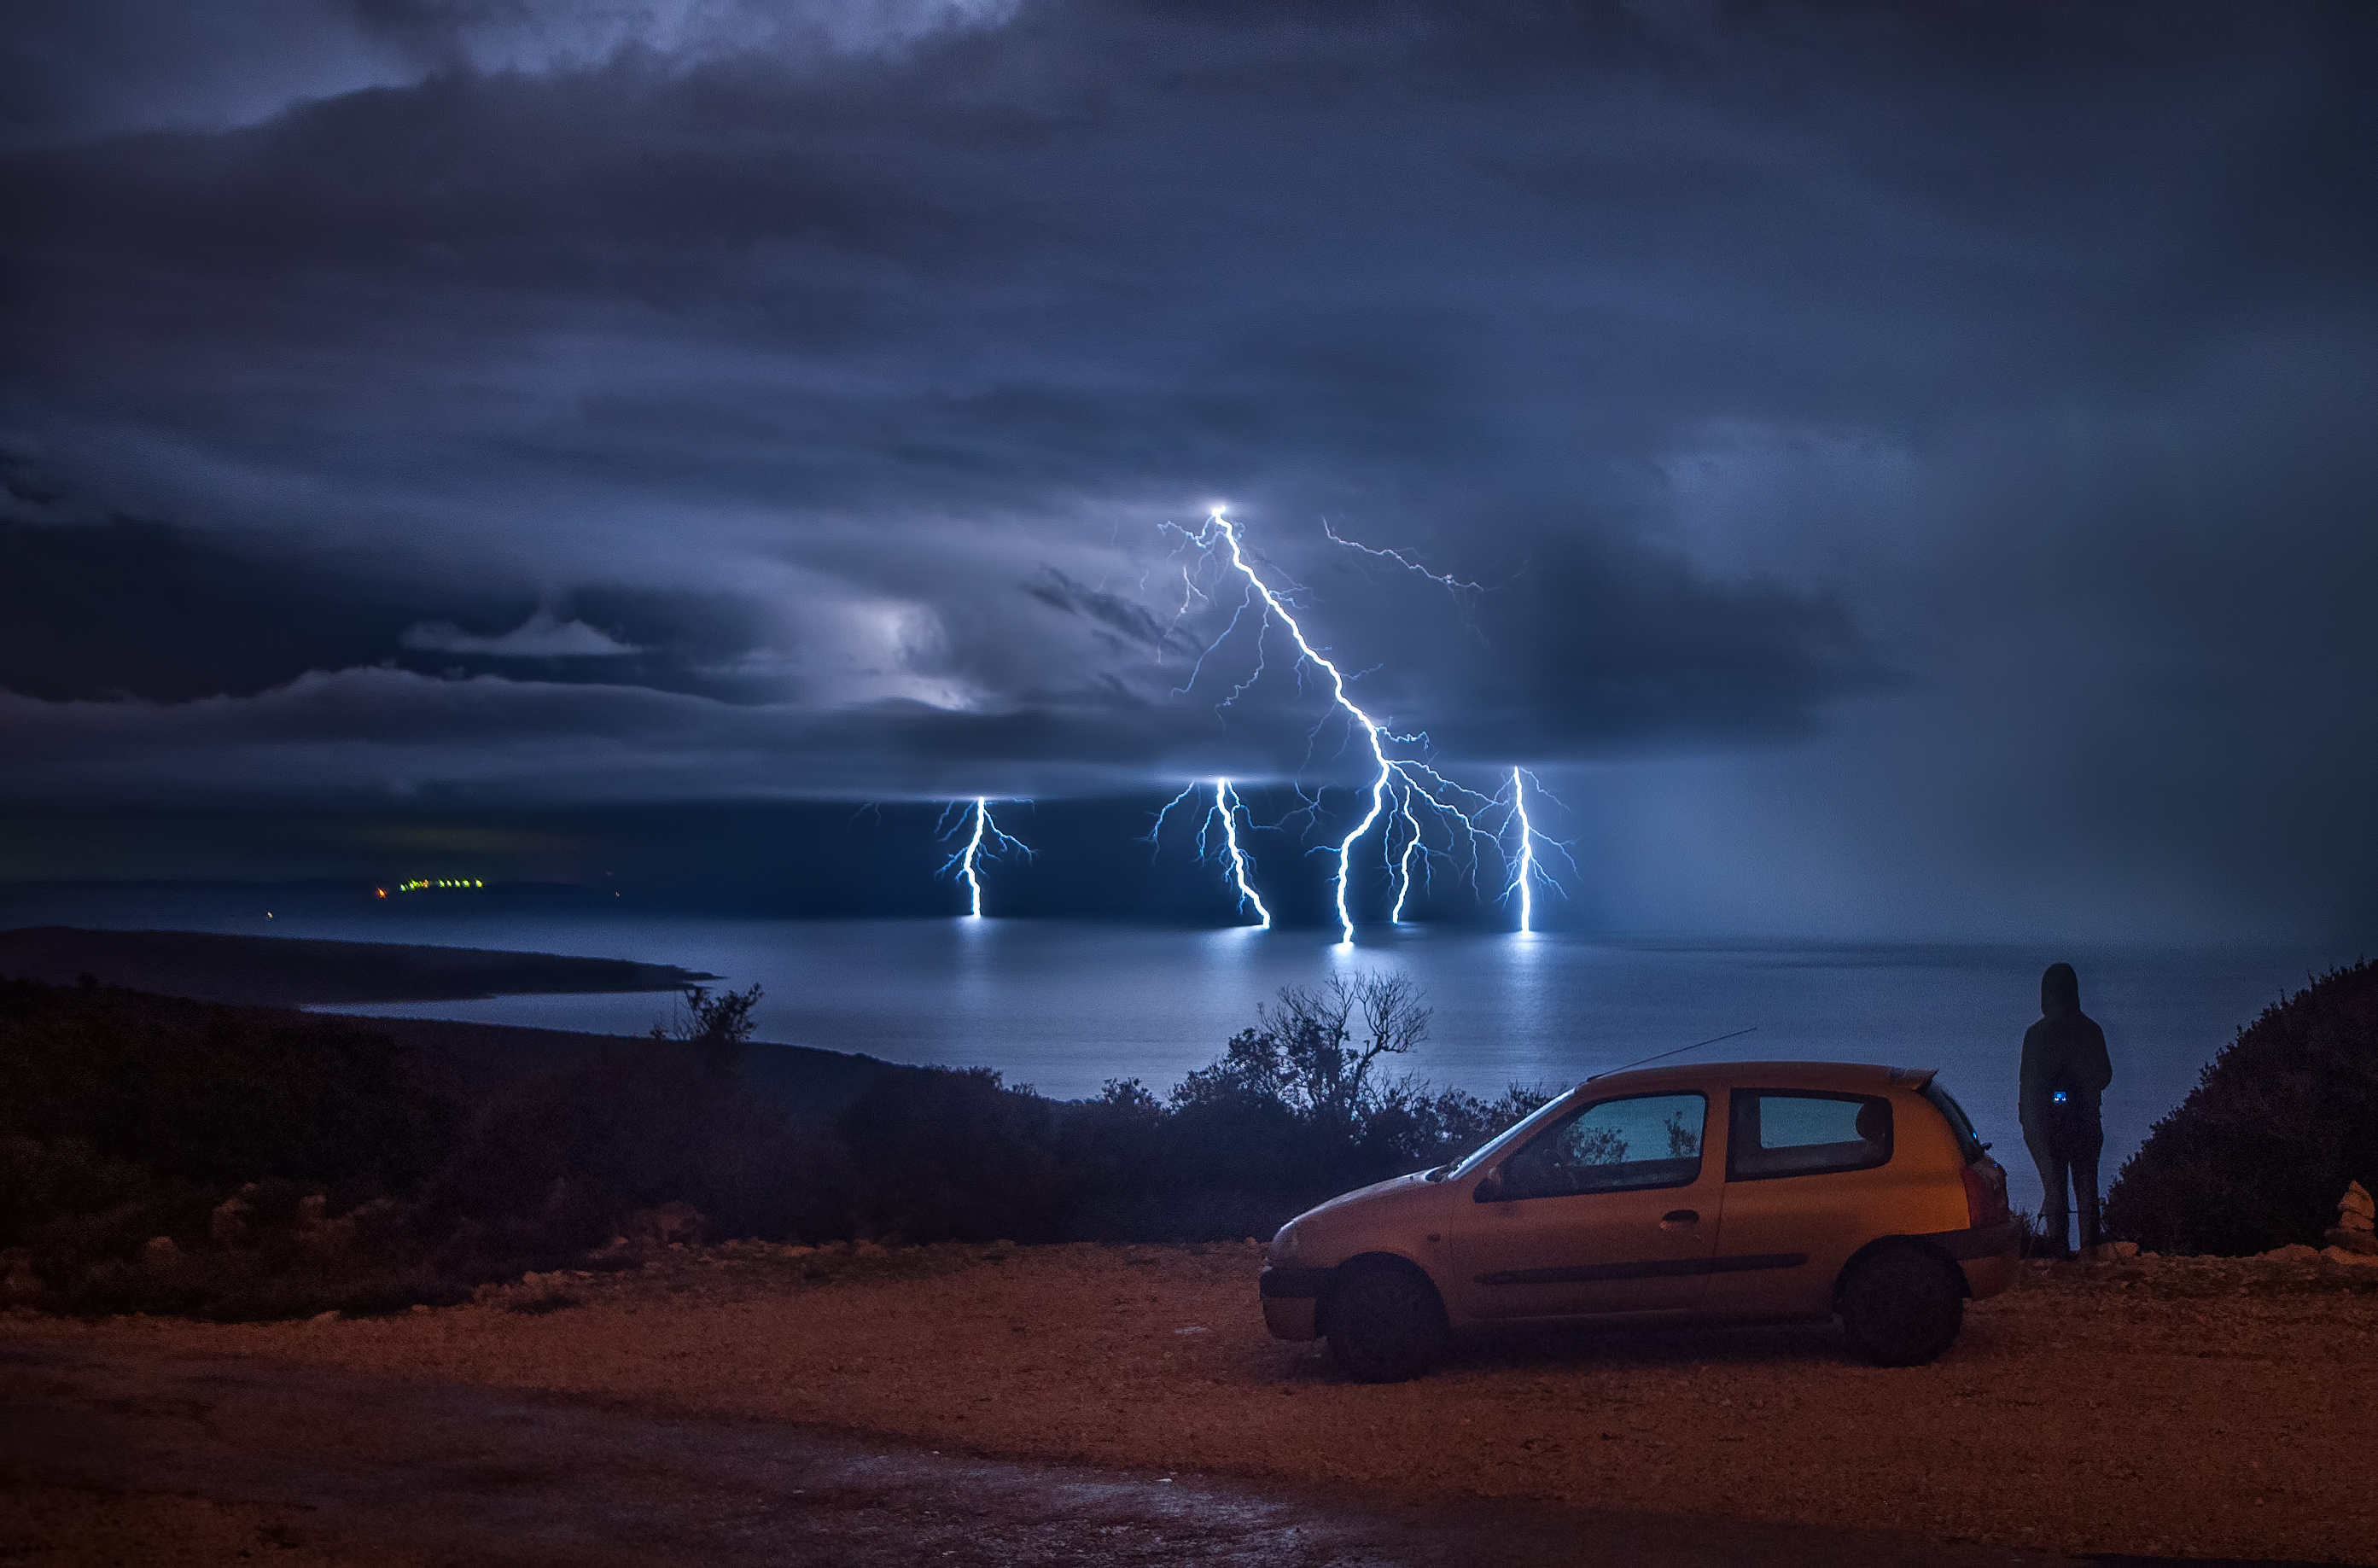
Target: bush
2278 1125
159 1156
955 1156
562 1163
163 1156
214 1096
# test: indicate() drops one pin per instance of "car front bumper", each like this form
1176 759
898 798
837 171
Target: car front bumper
1291 1301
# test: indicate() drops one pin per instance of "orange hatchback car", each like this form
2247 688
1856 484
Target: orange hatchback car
1739 1192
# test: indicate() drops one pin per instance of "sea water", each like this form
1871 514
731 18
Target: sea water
1066 1007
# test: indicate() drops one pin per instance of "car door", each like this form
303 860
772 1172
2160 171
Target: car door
1809 1180
1610 1208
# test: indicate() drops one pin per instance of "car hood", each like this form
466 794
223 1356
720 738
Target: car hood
1387 1215
1375 1191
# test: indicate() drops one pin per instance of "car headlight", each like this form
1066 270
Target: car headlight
1284 1244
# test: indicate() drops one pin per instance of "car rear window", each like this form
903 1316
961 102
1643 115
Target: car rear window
1969 1142
1805 1133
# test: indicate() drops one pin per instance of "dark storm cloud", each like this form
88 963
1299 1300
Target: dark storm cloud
106 607
1127 619
687 399
117 607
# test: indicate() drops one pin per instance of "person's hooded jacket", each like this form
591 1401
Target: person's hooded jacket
2064 1051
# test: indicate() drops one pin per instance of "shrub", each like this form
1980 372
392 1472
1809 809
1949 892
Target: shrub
2279 1123
161 1156
954 1156
214 1096
563 1161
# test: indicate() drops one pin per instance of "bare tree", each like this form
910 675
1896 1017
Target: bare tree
1317 1050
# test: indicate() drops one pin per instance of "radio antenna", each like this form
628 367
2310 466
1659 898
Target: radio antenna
1680 1050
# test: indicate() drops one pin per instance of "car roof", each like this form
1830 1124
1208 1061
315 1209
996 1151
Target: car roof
1845 1077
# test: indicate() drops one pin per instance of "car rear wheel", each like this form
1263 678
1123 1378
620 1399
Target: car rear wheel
1903 1306
1386 1325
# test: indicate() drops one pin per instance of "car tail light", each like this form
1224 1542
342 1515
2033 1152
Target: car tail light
1986 1194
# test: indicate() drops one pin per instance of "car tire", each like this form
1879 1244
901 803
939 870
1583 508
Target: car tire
1903 1306
1387 1324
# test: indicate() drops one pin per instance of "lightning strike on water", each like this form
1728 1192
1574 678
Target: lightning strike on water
1225 810
965 863
1372 730
1226 805
1403 861
1449 799
1527 869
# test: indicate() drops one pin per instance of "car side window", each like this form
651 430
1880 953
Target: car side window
1613 1147
1805 1133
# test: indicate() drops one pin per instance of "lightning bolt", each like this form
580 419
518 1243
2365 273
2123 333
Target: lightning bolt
1224 810
987 842
1418 781
1456 584
1372 731
1525 870
1526 875
1403 861
1226 805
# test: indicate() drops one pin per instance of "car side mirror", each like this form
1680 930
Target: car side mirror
1489 1189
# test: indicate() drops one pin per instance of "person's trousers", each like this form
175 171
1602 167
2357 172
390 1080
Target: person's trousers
2070 1161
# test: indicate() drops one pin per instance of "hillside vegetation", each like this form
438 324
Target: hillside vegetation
2279 1123
168 1156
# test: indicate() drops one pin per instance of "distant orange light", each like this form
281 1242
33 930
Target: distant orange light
383 891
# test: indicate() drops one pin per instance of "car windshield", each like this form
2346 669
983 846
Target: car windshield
1488 1150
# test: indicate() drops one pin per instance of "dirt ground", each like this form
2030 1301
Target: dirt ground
2195 1408
149 1461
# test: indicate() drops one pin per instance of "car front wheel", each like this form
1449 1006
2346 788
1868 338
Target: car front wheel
1386 1325
1903 1306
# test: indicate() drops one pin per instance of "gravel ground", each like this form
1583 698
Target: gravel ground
2206 1407
148 1461
52 1526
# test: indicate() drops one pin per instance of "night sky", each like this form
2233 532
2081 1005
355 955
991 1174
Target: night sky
1918 463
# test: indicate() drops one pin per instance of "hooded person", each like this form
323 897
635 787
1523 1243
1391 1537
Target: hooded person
2064 1071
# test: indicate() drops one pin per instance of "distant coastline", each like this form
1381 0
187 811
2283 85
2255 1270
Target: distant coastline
304 971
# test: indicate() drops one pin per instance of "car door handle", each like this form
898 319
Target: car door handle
1676 1219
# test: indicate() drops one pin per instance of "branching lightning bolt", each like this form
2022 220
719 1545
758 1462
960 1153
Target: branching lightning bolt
1372 731
1525 877
987 842
1403 861
1525 872
1226 805
1224 810
1418 783
1456 584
